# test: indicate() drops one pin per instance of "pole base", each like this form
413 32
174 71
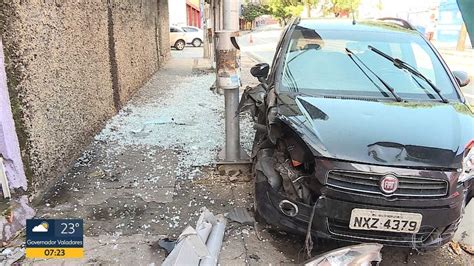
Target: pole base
244 158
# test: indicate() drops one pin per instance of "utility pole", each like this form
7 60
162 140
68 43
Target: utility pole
203 6
308 8
228 80
461 44
231 15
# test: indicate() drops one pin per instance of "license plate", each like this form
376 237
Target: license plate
402 222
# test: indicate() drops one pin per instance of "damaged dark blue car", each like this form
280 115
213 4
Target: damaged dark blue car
363 134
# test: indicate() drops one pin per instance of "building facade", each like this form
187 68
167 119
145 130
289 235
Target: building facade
193 12
185 12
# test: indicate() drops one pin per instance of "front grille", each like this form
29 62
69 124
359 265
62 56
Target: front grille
408 186
341 228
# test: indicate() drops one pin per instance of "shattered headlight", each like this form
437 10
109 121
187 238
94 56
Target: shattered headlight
362 254
467 165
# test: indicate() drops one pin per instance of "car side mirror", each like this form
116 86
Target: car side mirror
260 71
462 78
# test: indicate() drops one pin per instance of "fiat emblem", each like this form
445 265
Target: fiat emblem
389 184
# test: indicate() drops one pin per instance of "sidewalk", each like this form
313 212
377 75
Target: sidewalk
458 60
149 172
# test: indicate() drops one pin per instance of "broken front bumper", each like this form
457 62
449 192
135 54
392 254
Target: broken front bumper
333 211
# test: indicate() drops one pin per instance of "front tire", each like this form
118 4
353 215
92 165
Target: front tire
179 45
197 42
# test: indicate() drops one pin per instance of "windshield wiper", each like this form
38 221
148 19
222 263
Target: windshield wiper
389 88
404 65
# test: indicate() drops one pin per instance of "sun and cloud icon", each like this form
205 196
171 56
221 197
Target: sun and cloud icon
41 228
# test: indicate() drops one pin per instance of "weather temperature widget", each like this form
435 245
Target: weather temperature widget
54 238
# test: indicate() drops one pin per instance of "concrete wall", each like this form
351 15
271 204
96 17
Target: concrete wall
136 43
71 64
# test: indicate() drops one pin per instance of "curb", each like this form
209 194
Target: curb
256 58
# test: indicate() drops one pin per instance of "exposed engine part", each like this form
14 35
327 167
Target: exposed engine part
293 182
266 164
298 151
276 157
287 173
288 208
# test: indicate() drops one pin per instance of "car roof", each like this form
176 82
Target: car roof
348 25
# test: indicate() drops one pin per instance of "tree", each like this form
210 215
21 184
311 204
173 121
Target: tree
327 7
283 10
251 11
309 5
340 7
379 5
344 6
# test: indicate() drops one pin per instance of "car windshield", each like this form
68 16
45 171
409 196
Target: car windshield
318 62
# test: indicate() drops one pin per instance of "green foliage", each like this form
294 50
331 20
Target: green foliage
285 9
379 5
251 11
310 3
326 7
347 6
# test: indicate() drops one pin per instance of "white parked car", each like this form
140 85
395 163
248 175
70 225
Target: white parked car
177 38
194 35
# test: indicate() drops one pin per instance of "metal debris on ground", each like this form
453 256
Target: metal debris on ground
97 174
14 218
363 254
240 215
167 244
200 246
469 249
455 247
158 121
8 256
254 257
189 249
214 242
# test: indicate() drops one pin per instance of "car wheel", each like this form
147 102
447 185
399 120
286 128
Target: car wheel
179 45
197 42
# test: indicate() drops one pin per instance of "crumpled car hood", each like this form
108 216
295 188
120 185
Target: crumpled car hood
418 134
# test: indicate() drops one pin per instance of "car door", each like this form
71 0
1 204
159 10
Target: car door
173 35
191 33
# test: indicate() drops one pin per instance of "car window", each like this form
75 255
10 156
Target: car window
173 29
317 62
188 29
